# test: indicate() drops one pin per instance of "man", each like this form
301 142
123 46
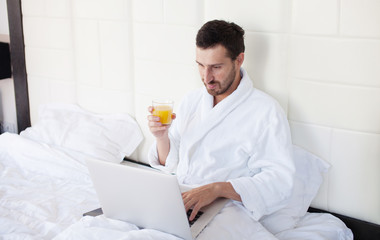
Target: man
228 138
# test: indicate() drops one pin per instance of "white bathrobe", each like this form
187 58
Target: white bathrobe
245 139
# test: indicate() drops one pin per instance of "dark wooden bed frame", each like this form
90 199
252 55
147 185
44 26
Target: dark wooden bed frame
17 48
362 230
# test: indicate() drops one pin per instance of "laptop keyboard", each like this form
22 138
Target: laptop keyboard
196 216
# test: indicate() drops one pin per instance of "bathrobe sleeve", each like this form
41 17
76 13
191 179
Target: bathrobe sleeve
173 157
272 168
175 138
171 160
184 111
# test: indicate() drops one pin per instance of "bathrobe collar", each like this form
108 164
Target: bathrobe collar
213 115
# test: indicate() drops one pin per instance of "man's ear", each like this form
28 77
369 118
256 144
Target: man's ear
240 59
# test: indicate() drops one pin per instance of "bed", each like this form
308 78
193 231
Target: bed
45 186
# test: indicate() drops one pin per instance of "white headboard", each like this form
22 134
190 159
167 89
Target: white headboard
319 59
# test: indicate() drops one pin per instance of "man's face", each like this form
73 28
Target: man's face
219 73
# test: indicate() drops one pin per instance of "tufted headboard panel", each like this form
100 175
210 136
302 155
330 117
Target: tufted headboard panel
319 59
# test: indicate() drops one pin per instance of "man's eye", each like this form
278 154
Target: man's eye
217 67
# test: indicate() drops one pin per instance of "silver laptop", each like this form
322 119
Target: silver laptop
146 197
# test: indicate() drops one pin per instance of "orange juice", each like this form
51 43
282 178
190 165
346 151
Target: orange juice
164 112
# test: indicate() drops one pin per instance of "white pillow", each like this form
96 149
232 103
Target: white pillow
103 136
308 179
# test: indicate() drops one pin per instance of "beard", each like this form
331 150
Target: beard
222 86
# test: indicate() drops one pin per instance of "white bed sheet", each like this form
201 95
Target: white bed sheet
44 191
314 226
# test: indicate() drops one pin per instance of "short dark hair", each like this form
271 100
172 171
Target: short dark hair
228 34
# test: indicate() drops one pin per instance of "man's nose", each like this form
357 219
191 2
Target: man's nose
207 75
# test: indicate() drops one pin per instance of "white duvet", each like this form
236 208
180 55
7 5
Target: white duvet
44 191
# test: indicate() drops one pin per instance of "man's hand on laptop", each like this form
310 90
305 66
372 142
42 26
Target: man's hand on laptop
202 196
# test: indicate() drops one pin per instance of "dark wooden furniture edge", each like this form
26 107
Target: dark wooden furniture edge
17 48
362 230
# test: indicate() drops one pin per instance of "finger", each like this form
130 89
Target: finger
155 130
150 109
188 202
184 195
194 212
174 116
153 118
158 129
155 121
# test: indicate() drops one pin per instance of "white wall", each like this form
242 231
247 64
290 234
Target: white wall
319 58
334 98
7 96
4 29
